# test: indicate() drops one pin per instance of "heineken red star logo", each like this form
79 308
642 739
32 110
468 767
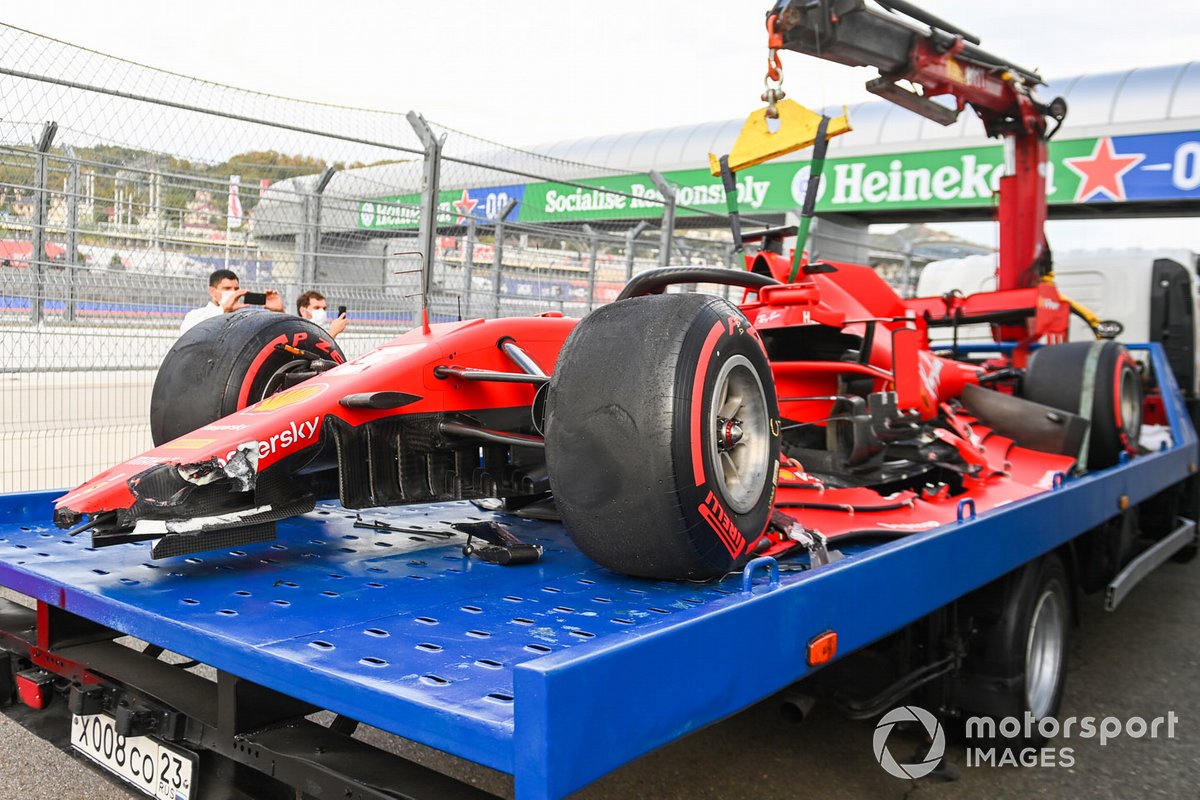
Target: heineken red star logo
1102 172
464 206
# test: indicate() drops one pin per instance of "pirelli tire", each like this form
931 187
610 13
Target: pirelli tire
227 363
1098 380
663 435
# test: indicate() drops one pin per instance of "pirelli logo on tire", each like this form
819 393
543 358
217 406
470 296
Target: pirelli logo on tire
722 525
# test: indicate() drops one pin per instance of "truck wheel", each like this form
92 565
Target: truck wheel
227 363
1063 375
662 436
1016 658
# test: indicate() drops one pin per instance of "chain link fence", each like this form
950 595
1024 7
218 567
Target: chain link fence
122 187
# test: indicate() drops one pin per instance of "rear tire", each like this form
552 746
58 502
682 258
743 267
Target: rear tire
662 436
227 363
1058 376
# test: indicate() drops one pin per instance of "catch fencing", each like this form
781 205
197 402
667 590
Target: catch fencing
122 187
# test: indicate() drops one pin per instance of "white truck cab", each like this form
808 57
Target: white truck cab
1151 292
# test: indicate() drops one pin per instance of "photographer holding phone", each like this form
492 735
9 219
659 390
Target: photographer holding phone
226 296
312 306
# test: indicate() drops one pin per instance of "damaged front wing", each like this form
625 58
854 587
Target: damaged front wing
190 507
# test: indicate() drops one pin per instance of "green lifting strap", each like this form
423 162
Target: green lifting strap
735 218
810 196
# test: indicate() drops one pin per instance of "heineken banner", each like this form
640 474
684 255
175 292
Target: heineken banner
1162 166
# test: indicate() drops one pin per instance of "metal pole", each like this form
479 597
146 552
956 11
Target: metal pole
593 255
668 220
630 236
315 231
497 264
37 232
499 259
429 205
301 244
72 257
469 264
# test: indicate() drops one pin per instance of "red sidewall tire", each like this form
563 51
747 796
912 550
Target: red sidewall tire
225 364
631 442
1056 378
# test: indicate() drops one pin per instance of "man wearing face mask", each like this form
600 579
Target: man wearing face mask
312 306
225 296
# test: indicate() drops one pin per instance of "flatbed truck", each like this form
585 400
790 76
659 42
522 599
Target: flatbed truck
556 672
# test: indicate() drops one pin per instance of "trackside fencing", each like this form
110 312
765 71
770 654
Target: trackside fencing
123 187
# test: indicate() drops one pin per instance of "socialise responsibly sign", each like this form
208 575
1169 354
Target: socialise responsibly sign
1116 169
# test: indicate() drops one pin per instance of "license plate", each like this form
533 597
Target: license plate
151 766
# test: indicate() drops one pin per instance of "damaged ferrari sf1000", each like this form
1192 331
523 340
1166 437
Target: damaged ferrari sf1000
675 434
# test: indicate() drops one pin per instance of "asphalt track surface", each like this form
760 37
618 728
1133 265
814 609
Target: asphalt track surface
1141 660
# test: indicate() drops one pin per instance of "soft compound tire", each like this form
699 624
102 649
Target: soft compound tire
1057 376
224 364
631 437
1016 660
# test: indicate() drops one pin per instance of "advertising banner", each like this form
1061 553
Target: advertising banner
1110 169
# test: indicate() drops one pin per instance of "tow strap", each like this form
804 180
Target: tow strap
810 195
1087 395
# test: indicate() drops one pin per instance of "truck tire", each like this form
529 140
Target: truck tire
662 436
227 363
1016 660
1063 375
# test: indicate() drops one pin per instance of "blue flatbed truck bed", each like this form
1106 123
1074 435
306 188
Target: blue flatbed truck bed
556 672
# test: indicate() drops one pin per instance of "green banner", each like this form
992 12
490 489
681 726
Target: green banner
953 178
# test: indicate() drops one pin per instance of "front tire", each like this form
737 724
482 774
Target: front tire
662 436
227 363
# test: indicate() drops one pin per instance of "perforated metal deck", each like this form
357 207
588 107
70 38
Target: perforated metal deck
400 630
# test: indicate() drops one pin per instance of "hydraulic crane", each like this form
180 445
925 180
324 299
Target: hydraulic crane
938 59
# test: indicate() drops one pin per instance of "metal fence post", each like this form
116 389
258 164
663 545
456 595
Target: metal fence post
302 249
499 257
37 229
314 229
429 205
72 257
469 265
593 267
630 236
668 220
498 265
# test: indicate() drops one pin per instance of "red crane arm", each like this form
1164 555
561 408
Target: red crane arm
907 44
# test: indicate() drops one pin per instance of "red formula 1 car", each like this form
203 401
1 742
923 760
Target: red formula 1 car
677 435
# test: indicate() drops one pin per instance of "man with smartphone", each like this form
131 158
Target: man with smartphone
226 296
312 305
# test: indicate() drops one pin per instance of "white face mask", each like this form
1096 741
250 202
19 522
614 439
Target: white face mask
319 316
226 296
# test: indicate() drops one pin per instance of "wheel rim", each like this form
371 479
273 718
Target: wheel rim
1044 652
739 446
1131 404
